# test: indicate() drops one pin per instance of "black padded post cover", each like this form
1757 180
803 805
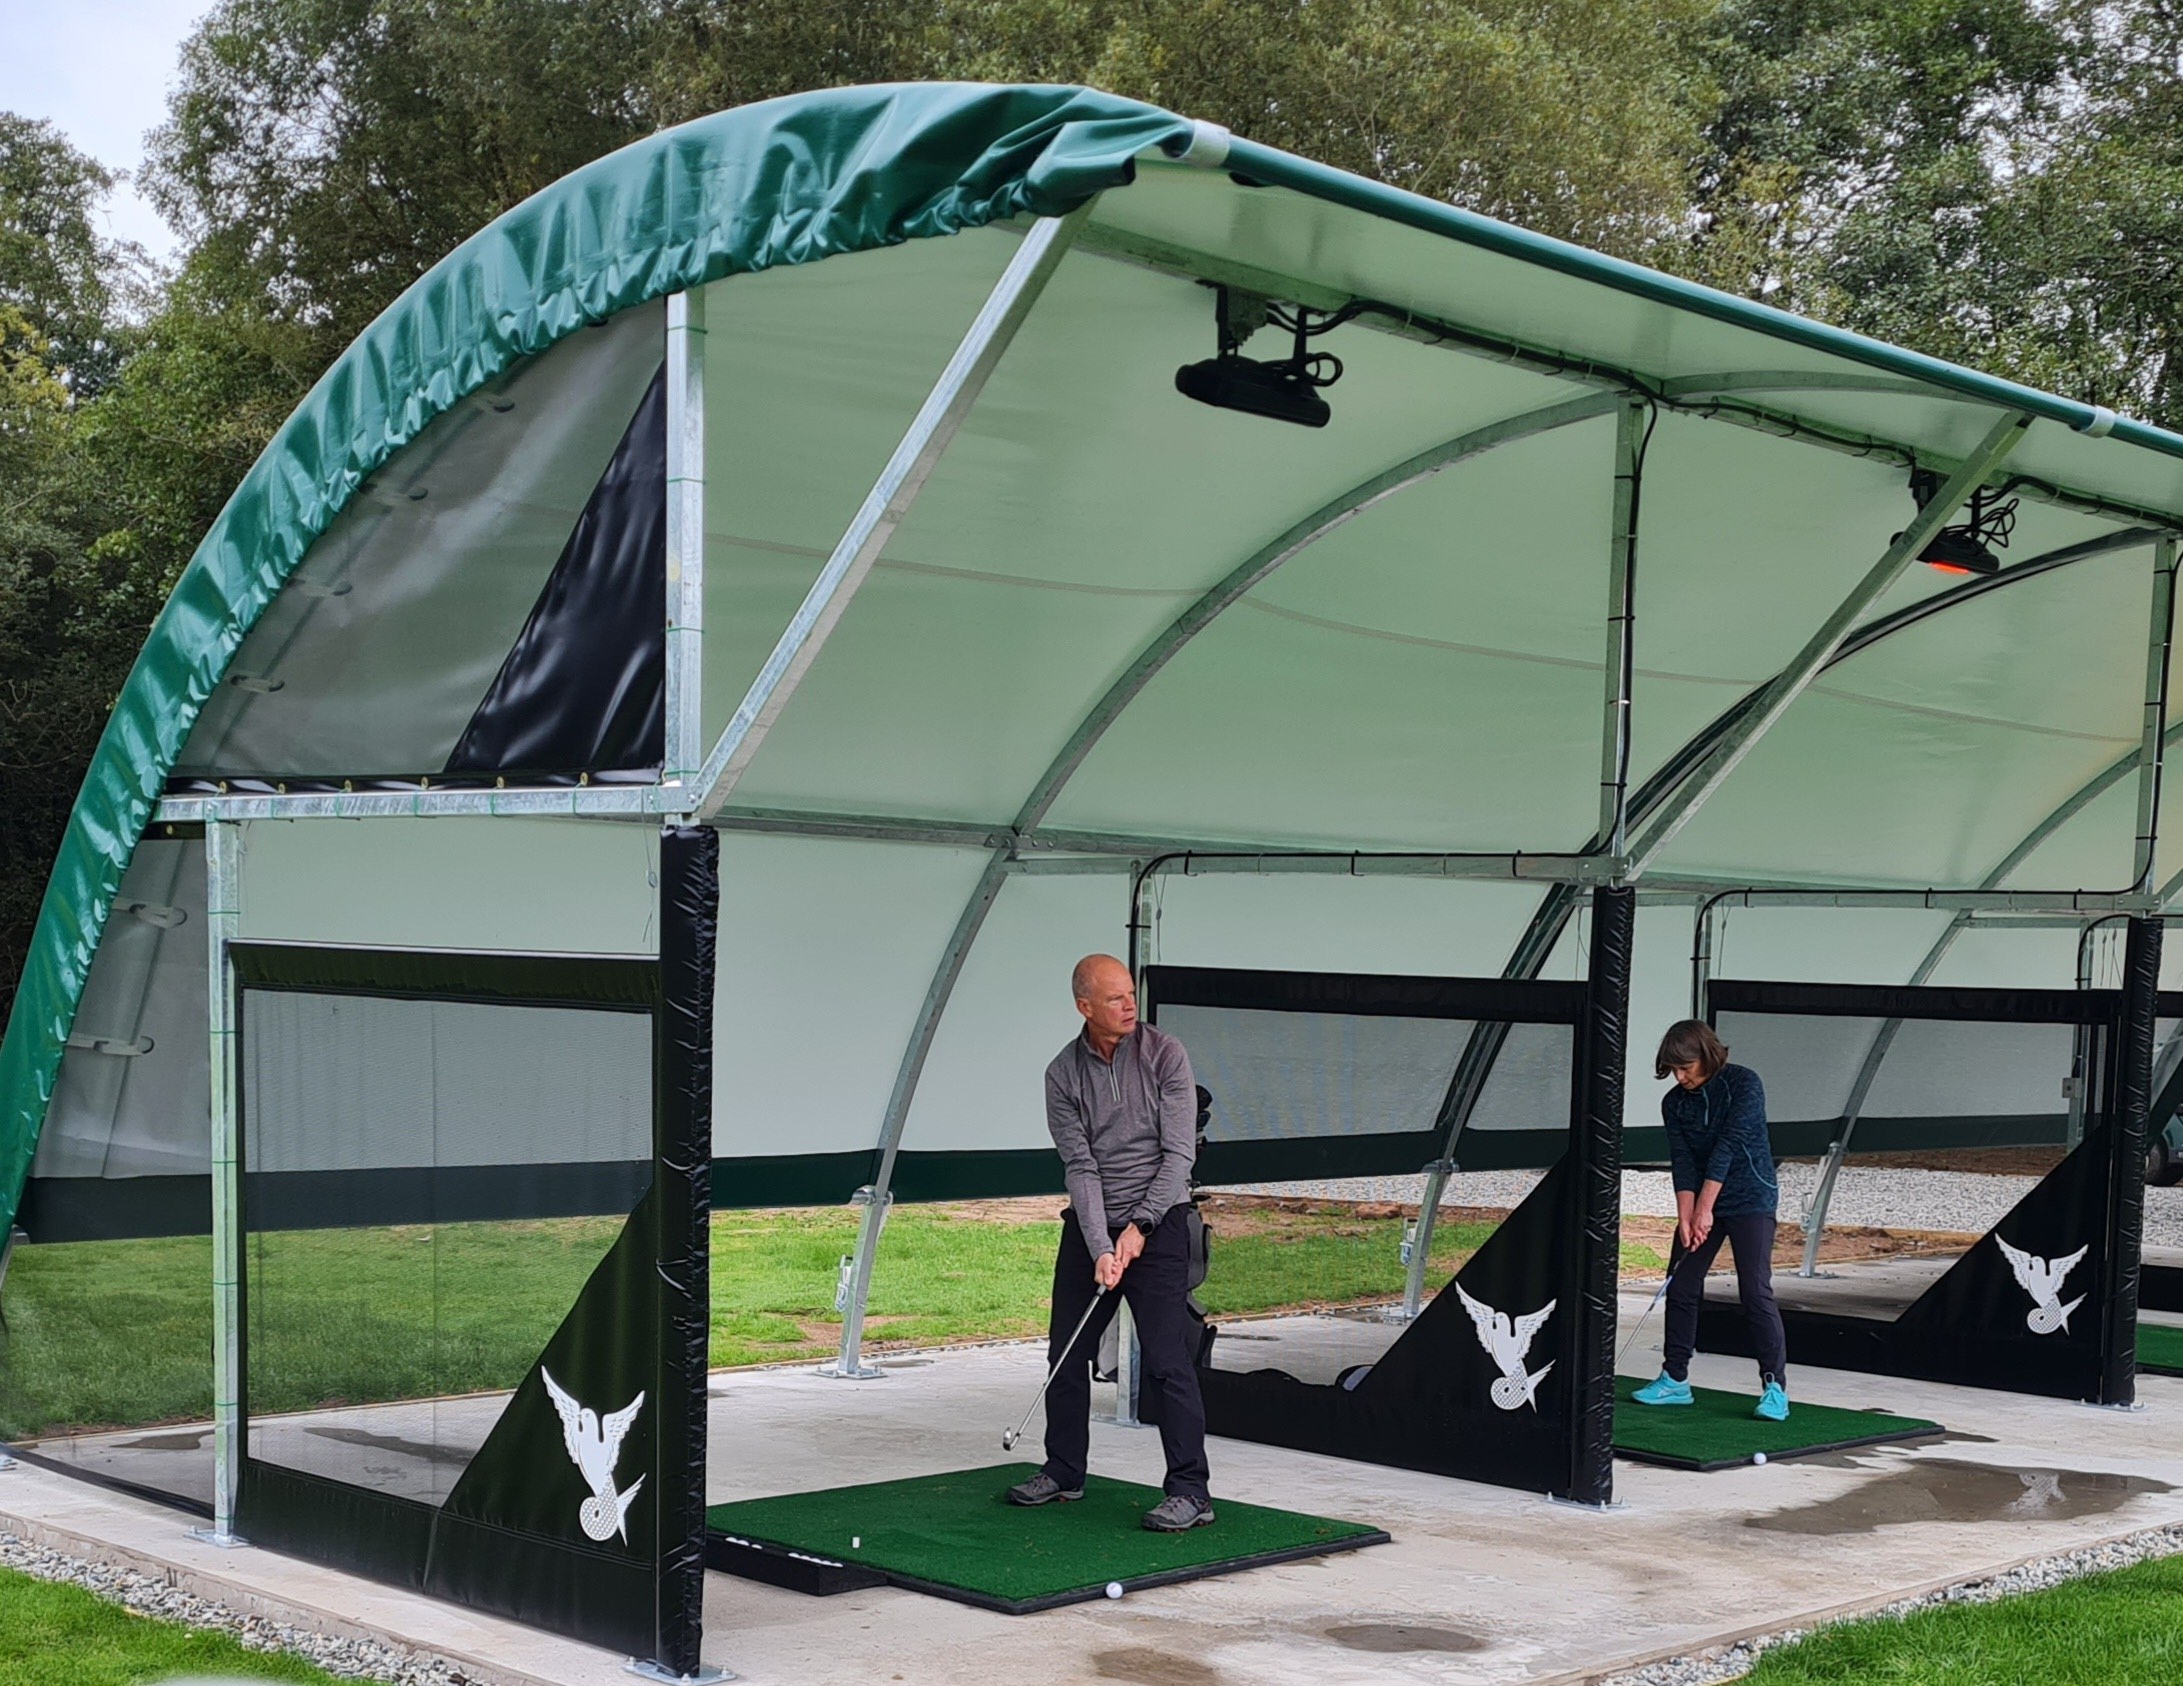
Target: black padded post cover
689 889
1595 1165
2126 1164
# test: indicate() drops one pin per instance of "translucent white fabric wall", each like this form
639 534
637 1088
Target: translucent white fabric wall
555 886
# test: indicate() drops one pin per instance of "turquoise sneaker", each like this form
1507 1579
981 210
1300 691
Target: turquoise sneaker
1667 1391
1773 1404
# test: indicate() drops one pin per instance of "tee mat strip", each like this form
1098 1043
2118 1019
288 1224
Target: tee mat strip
2160 1349
956 1536
1717 1431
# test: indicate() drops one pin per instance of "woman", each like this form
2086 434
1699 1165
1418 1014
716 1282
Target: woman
1724 1190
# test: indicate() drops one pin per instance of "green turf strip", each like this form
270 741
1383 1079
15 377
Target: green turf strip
2160 1348
957 1535
1717 1430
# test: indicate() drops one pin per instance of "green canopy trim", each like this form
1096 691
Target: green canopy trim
788 181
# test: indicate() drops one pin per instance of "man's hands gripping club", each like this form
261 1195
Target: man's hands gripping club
1128 1247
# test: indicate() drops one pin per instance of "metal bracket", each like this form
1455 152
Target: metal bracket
215 1537
654 1671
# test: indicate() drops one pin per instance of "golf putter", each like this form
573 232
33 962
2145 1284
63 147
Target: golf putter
1009 1436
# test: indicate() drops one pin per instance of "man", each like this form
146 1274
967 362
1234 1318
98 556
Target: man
1121 1105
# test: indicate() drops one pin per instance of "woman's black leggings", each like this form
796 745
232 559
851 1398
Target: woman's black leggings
1751 1239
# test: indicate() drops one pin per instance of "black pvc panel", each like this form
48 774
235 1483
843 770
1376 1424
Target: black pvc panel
607 982
1430 1403
1363 994
583 688
1907 1001
2046 1302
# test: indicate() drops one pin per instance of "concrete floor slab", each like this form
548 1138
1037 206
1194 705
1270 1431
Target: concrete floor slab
1480 1584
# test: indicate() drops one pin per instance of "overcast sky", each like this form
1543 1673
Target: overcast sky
99 69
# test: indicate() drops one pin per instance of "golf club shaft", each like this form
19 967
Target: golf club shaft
1067 1347
1675 1259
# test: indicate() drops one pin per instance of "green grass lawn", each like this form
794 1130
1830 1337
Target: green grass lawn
2122 1628
55 1635
119 1333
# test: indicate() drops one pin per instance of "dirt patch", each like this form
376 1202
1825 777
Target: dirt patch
1838 1246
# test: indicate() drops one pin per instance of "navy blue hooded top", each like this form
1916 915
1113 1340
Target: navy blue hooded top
1717 1133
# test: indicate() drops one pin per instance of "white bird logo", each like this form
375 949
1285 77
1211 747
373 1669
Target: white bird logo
595 1446
1508 1345
2043 1282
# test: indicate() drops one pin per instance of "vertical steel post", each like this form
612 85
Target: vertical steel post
2131 1108
1614 745
2159 640
223 908
684 750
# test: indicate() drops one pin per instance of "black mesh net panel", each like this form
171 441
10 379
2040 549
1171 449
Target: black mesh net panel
1932 1083
1329 1074
428 1185
104 1362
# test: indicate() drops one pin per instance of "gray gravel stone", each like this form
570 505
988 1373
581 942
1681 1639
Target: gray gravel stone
1865 1196
1734 1661
147 1595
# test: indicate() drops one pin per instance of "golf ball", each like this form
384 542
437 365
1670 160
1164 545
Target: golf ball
1758 1457
1114 1589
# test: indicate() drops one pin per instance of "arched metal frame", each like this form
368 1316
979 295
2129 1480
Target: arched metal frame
1664 804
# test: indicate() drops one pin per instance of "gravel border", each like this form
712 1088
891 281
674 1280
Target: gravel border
146 1595
1732 1662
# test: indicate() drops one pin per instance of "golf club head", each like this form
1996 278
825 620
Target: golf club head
1008 1440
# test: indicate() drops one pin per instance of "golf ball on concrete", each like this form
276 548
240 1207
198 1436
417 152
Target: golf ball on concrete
1114 1589
1758 1457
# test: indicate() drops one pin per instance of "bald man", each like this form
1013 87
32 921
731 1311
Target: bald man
1121 1106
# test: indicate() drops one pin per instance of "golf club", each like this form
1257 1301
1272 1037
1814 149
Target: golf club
1010 1436
1675 1258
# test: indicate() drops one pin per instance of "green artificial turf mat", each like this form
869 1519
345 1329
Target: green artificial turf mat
956 1535
1717 1431
2160 1348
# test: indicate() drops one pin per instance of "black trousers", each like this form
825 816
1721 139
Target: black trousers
1751 1239
1156 1286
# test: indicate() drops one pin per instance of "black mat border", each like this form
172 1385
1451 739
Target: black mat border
1663 1460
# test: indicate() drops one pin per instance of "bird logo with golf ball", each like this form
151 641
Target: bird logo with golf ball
2043 1282
595 1447
1508 1344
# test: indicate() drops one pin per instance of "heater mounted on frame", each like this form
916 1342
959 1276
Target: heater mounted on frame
1284 390
1967 547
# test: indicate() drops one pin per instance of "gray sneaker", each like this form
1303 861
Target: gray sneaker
1178 1513
1042 1489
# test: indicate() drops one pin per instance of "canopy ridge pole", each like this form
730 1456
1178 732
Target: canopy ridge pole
223 924
685 607
1238 582
1788 685
1632 430
889 501
2159 643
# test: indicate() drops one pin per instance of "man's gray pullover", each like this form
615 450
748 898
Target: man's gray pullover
1126 1130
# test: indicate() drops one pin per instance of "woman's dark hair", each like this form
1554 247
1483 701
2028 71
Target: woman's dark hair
1691 1042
